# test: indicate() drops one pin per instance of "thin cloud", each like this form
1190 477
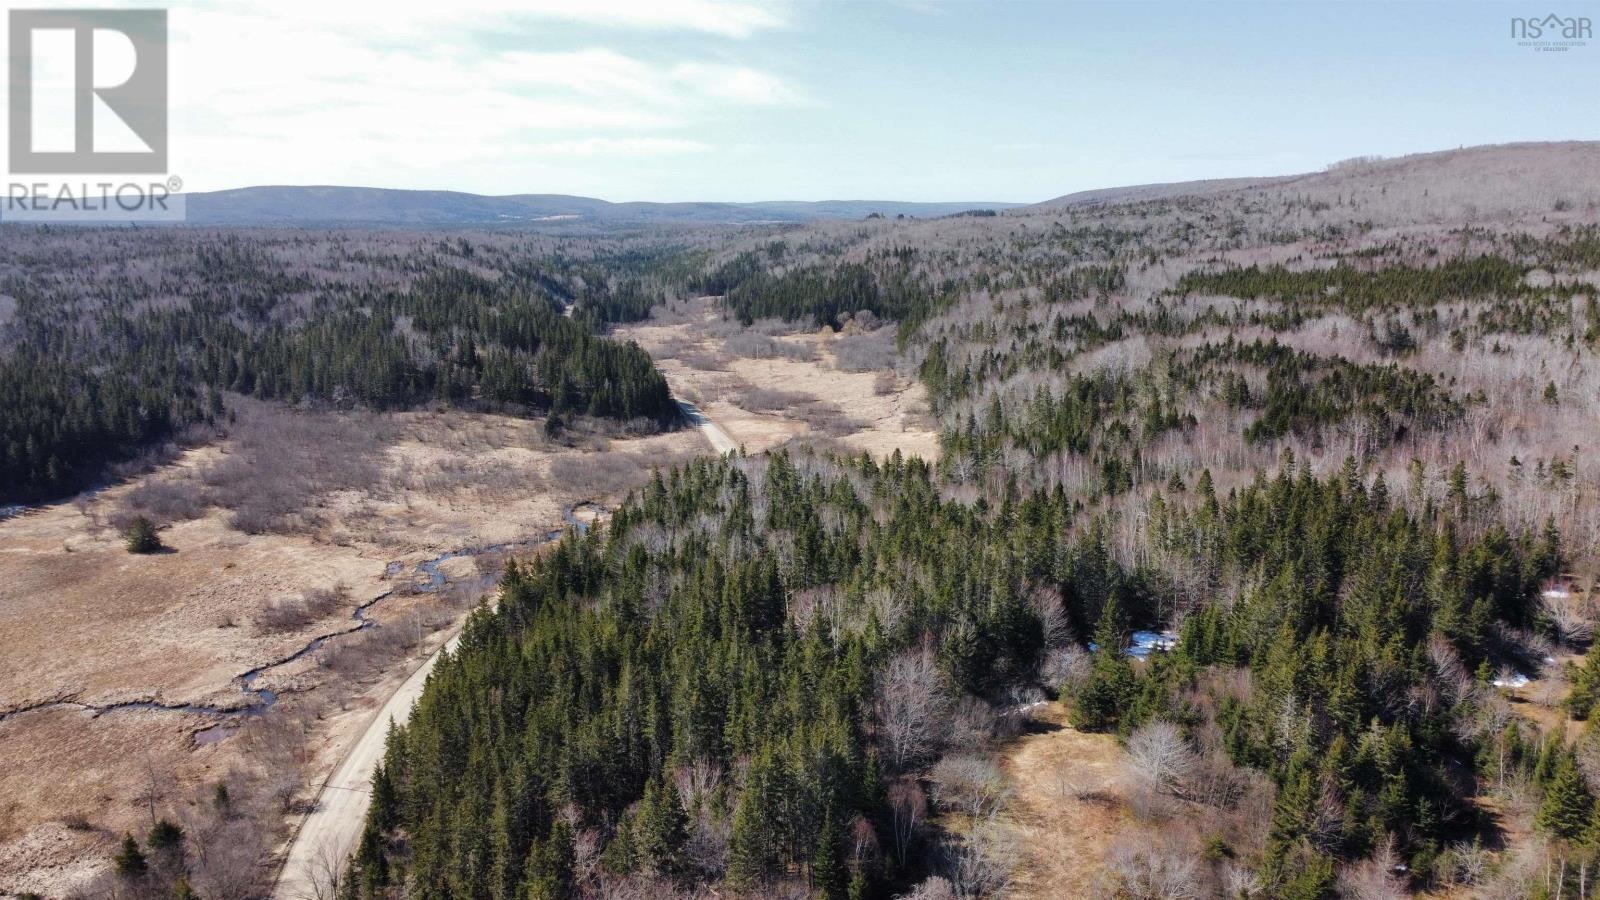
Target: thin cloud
738 84
725 18
386 21
631 147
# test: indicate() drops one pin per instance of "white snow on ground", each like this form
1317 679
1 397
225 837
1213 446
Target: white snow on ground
1146 642
1510 680
1143 643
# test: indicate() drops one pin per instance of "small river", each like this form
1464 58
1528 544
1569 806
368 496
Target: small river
427 578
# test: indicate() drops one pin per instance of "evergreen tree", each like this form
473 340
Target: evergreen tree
1568 810
829 875
164 835
370 867
1100 703
550 866
130 859
660 828
141 537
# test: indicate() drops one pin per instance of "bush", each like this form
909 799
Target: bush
757 346
141 536
764 400
294 614
164 835
867 351
161 501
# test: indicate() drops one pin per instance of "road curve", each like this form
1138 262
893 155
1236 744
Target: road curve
720 441
328 833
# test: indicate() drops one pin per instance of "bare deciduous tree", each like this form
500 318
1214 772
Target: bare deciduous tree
935 888
1149 871
909 705
908 806
980 863
326 873
1051 609
1162 756
1241 882
973 785
1472 862
1374 878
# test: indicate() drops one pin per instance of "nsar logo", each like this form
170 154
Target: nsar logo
1552 32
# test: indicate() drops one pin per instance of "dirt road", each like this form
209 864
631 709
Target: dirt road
720 441
328 833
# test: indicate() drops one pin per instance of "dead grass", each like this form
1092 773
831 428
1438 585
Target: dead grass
1069 808
770 384
298 612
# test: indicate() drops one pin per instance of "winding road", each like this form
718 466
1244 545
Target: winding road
328 833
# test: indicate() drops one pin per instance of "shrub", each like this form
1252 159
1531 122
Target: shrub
164 835
141 536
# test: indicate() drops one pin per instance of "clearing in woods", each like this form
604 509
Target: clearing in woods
1070 804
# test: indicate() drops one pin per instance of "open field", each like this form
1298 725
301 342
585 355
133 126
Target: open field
120 667
766 390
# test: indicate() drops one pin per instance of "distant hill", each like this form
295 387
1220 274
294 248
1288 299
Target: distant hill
1468 183
283 205
1137 193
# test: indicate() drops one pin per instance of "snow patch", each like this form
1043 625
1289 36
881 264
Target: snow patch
1143 643
1510 680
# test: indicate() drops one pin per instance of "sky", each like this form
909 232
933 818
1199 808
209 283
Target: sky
745 100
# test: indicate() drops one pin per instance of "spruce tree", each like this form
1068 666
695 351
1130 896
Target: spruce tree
130 859
660 828
164 835
1568 810
829 876
141 537
1099 704
549 874
371 866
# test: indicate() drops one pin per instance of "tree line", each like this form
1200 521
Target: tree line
86 389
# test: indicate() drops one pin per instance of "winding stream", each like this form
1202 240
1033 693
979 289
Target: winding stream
427 579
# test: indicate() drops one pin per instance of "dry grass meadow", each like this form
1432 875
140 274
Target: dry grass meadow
769 384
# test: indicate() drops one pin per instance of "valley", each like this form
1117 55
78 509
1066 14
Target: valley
1226 540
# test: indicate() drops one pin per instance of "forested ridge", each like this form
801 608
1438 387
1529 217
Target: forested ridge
94 373
1279 498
